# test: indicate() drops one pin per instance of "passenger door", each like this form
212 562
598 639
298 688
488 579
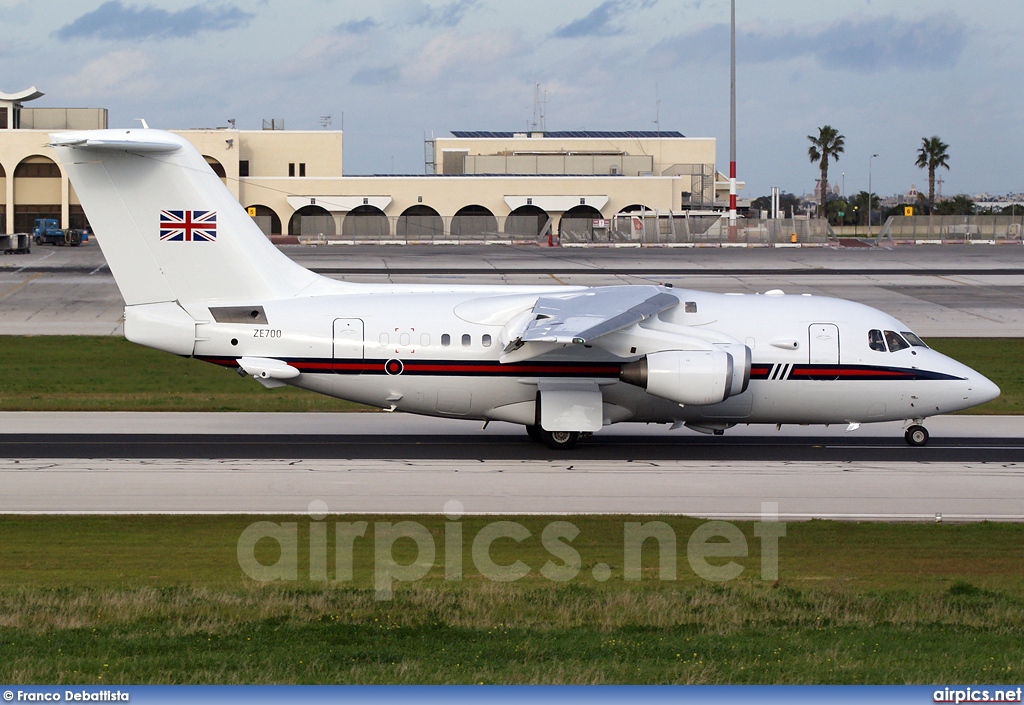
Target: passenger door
348 342
823 344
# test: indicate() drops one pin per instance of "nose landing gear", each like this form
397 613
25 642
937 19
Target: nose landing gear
916 435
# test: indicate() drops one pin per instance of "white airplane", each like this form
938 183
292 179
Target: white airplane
200 279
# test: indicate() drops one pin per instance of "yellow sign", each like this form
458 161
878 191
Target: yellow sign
908 211
252 211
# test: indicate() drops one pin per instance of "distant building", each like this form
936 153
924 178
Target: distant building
291 180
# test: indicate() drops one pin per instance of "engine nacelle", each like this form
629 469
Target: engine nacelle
697 377
740 366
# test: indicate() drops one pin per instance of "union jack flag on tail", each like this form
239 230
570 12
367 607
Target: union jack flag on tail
188 226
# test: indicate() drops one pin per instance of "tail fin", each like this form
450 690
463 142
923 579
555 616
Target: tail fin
169 229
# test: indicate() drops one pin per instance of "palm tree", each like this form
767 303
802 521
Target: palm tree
828 143
866 203
931 156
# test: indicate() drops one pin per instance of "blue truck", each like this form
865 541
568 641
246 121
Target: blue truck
47 231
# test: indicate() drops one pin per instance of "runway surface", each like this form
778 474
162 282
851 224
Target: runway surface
937 290
973 469
914 491
155 462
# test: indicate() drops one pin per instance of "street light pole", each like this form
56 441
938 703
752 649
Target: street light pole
869 193
732 115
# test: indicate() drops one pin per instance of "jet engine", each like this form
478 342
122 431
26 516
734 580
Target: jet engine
697 377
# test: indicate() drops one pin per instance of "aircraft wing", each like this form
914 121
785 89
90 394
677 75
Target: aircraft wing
582 316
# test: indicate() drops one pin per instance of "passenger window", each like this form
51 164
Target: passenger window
690 307
404 338
486 340
446 340
425 340
895 341
384 339
876 341
913 339
466 340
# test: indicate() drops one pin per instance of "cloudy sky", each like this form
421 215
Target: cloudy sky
884 72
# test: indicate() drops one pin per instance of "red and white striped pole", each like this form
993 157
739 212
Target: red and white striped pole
732 121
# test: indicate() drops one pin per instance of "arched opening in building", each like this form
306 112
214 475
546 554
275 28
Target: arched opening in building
578 222
266 219
365 223
420 223
473 221
77 219
217 167
3 200
527 222
312 221
637 222
36 192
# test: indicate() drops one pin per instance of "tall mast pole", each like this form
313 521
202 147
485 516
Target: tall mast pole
732 116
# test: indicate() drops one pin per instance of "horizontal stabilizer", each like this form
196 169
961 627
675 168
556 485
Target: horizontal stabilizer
125 144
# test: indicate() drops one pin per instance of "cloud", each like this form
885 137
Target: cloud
376 75
600 20
115 21
859 45
451 53
449 15
450 56
932 42
357 26
123 72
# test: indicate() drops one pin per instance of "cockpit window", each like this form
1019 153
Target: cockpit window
895 341
913 339
876 341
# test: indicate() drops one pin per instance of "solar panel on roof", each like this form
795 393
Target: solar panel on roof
566 134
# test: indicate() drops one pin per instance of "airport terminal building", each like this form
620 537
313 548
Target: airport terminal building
477 185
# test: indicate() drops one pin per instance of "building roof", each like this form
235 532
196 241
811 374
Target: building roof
25 95
566 134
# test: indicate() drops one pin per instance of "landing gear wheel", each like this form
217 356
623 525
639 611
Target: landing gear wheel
916 435
558 440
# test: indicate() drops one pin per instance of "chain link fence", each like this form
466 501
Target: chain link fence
424 229
647 228
953 228
655 229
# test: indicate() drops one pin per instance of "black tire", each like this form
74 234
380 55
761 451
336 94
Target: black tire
558 440
534 433
916 435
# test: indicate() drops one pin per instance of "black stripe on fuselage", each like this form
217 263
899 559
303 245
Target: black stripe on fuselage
487 368
443 368
851 373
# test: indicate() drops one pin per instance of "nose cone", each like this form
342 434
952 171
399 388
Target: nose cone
982 389
971 388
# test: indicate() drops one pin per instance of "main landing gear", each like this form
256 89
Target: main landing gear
916 435
558 440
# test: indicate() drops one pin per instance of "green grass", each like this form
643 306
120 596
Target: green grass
102 373
162 599
999 359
